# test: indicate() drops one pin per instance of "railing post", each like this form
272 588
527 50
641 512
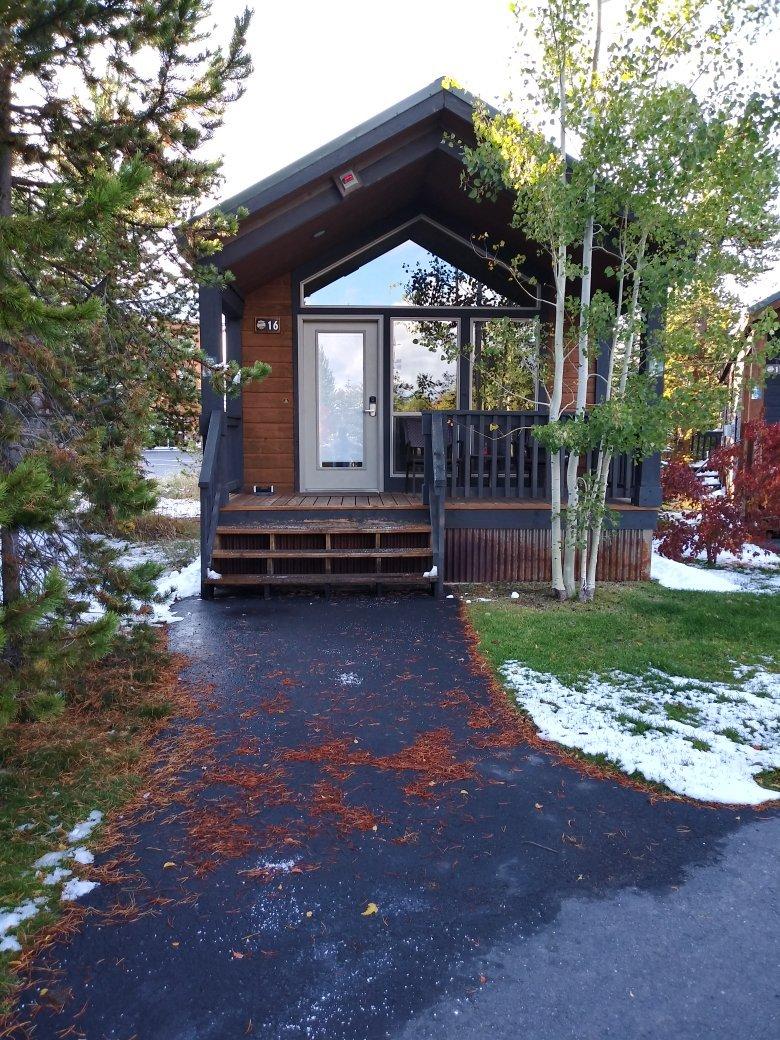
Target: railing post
210 310
427 458
647 488
234 470
210 493
439 488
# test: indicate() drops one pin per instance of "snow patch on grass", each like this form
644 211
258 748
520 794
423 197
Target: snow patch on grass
674 575
83 829
10 919
752 569
749 556
55 876
175 586
75 889
181 508
52 863
706 740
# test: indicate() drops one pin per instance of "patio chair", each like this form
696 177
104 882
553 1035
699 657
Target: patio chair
411 430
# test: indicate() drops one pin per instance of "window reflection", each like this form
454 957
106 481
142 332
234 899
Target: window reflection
505 365
340 358
425 367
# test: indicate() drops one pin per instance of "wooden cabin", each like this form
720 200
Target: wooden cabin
387 446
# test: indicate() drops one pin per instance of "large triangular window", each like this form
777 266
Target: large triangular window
407 275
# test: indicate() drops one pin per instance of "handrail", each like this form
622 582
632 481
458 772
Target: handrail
212 493
436 499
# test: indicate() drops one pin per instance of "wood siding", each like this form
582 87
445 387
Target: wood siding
487 554
569 398
269 407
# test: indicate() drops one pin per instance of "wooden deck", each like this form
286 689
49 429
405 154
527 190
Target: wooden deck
247 502
387 539
244 502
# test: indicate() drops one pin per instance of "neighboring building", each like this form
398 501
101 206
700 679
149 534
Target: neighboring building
760 391
361 459
753 383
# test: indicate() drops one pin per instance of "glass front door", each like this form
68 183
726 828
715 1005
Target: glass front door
339 407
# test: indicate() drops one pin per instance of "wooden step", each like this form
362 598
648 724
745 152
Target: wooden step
322 579
326 527
318 554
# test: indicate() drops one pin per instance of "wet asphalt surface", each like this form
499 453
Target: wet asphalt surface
526 900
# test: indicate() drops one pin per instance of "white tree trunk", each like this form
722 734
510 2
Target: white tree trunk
605 455
556 398
572 469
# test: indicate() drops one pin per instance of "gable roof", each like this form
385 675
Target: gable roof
408 166
333 155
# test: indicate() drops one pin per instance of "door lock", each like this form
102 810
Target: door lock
371 410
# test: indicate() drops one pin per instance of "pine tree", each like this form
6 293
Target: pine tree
105 106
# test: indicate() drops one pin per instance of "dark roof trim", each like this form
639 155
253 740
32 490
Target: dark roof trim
762 305
432 235
426 102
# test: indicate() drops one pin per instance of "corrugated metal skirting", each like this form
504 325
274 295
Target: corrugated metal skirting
489 554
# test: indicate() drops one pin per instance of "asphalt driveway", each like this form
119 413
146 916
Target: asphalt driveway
370 852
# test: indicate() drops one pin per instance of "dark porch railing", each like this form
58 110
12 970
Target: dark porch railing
220 473
704 442
494 455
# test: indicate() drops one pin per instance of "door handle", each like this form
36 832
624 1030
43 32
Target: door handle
371 410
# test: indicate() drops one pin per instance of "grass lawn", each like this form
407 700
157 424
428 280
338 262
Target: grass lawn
638 630
631 628
55 772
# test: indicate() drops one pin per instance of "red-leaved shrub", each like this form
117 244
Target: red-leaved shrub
680 484
755 464
716 523
674 536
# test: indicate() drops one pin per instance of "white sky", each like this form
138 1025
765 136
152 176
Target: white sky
323 66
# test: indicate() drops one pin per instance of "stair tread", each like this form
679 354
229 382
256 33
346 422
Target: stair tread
320 579
316 554
347 527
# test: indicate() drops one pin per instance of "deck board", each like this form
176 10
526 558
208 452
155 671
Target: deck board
244 502
321 579
248 502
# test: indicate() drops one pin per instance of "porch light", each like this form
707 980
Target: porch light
347 181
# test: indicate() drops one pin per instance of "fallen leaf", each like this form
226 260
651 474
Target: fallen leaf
237 956
175 944
372 908
538 806
168 864
309 913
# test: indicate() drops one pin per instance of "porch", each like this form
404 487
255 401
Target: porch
480 515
